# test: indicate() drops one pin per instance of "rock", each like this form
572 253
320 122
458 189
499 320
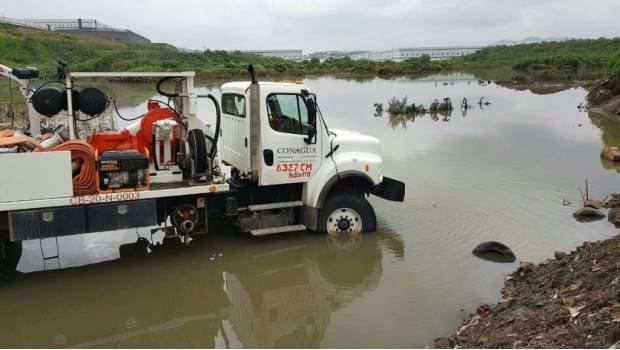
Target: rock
575 311
615 345
443 343
611 153
483 310
588 214
592 203
525 266
560 255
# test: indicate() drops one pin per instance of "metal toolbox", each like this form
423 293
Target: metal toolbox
121 215
50 222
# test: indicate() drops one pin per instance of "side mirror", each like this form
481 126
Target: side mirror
312 110
311 135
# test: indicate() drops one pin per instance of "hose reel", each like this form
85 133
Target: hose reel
50 100
198 155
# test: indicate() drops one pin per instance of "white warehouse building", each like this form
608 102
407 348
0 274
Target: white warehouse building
401 54
295 55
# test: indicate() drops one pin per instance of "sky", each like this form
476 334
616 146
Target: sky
317 25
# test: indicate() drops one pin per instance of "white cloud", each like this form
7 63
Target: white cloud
332 24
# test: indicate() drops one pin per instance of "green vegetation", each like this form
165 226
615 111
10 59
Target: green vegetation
559 60
570 54
613 68
23 47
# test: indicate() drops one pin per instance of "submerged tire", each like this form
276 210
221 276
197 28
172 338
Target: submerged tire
347 212
494 251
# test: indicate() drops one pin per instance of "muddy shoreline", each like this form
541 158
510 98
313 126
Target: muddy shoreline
543 86
570 301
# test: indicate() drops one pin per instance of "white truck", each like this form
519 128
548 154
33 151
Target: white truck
270 164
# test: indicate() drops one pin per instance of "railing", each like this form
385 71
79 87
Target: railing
69 24
20 23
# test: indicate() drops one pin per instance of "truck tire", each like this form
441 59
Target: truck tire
347 212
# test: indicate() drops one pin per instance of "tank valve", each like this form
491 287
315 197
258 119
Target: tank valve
185 218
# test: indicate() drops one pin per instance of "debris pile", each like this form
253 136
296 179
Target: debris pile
400 111
572 301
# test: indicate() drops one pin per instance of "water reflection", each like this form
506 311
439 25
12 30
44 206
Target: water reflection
268 293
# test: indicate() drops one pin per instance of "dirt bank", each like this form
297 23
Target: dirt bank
604 97
542 87
610 107
572 301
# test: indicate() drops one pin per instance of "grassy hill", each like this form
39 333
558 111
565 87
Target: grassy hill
19 47
25 47
570 54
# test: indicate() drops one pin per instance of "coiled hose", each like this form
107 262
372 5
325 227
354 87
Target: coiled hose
83 154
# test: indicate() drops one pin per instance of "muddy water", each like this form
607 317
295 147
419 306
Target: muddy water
500 172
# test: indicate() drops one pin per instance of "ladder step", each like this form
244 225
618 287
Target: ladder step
277 205
279 229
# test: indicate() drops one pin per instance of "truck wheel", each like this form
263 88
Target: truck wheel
347 212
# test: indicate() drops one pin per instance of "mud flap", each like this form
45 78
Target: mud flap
390 189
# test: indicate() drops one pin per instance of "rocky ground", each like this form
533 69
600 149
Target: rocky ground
571 301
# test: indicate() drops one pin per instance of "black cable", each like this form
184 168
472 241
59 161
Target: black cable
167 105
332 148
323 120
163 93
46 83
153 149
216 136
123 118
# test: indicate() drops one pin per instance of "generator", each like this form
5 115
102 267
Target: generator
123 170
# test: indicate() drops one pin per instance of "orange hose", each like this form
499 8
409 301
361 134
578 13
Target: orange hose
8 139
85 181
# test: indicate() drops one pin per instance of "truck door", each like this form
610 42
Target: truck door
235 131
289 154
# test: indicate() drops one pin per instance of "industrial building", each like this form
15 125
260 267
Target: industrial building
295 55
401 54
78 26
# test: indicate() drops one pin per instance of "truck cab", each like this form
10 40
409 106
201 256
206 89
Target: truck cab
273 134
